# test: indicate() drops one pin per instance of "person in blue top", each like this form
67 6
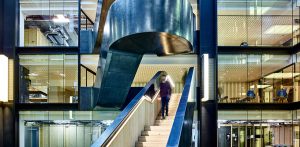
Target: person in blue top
165 94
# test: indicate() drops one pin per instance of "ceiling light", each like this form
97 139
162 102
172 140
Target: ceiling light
61 19
282 75
61 74
260 86
56 59
281 29
263 86
107 122
33 74
61 121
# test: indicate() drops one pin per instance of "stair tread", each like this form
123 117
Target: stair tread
150 144
157 135
153 138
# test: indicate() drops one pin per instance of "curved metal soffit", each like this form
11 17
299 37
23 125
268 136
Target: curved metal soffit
162 27
131 29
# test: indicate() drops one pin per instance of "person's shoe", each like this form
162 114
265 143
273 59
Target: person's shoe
167 114
163 117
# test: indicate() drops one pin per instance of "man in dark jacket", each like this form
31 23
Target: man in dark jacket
165 94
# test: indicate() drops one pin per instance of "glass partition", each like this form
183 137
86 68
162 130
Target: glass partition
88 69
258 78
48 23
257 128
258 23
48 78
62 128
88 77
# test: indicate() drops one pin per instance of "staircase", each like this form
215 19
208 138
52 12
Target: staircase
158 134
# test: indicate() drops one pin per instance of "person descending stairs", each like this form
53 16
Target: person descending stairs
158 134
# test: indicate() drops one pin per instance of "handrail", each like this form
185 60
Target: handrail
91 71
86 16
121 118
174 138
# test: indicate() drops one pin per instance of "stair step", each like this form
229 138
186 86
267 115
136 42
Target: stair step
157 128
154 138
155 133
151 144
163 124
170 114
164 121
166 118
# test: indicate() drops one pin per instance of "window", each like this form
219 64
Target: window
258 23
257 78
48 78
48 23
62 128
259 128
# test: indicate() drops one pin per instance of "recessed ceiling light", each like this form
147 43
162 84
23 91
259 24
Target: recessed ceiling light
61 74
57 59
60 18
33 74
263 86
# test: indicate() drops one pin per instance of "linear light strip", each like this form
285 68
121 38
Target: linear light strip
3 78
206 77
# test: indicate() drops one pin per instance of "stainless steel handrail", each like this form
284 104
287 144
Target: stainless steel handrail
175 135
122 117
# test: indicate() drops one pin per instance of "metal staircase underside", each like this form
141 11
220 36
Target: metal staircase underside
127 29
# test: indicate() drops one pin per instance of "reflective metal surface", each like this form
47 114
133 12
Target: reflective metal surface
166 26
131 29
117 76
181 120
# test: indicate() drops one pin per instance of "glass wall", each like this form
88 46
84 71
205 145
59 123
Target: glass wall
62 128
48 78
256 128
258 78
258 22
48 23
